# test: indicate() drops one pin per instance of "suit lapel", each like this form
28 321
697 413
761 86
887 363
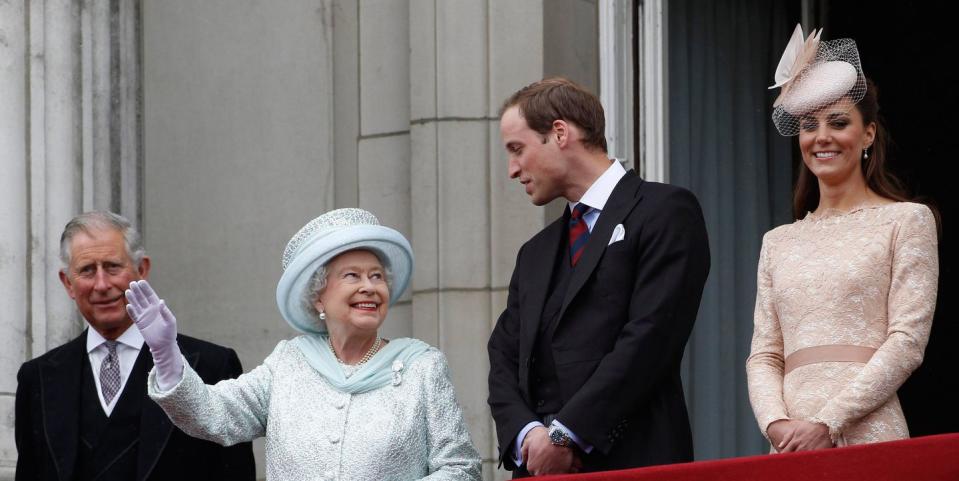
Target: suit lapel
60 385
155 426
621 202
537 275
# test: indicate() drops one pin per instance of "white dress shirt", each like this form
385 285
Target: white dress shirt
598 193
128 348
595 197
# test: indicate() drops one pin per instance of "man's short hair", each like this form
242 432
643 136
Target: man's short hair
102 220
557 98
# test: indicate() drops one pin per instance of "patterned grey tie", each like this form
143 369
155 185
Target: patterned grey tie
110 373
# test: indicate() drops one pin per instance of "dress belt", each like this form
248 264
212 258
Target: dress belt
828 353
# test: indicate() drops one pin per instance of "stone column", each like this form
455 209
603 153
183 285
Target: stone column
14 217
371 131
383 144
69 137
469 220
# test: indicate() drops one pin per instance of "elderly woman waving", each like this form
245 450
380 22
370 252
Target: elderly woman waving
338 402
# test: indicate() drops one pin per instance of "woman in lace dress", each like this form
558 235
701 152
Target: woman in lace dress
338 402
845 294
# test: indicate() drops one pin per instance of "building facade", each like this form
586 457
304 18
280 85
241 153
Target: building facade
221 127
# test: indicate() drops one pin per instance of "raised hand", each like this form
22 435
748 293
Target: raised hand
152 317
158 327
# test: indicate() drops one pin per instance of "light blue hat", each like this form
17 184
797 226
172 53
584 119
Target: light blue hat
326 237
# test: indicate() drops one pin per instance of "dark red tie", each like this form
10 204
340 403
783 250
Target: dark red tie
578 232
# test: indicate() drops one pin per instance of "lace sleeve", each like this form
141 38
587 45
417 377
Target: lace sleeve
765 365
910 306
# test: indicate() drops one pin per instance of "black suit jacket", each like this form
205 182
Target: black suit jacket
617 346
47 418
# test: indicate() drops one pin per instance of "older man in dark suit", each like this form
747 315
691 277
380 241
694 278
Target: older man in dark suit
82 411
585 360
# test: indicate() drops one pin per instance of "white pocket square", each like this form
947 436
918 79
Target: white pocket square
619 233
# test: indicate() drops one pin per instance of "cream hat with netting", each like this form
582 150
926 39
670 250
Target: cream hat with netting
815 74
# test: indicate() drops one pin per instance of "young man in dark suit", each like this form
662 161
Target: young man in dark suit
585 360
82 411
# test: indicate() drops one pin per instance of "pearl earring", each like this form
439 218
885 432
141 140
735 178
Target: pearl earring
322 316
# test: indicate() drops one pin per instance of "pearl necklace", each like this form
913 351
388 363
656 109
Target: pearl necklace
377 343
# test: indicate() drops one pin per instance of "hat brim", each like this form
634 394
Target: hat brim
388 245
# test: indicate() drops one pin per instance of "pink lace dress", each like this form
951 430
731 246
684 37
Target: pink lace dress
866 278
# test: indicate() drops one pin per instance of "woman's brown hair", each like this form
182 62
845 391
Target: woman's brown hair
874 168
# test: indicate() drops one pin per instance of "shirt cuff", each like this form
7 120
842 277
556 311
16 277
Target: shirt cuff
518 445
586 447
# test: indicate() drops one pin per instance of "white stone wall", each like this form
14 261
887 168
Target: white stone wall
69 142
383 144
469 219
238 127
14 216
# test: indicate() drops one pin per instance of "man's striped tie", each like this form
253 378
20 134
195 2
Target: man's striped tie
578 232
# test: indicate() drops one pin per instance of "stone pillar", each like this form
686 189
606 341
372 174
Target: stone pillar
371 131
69 137
56 162
383 144
469 219
14 217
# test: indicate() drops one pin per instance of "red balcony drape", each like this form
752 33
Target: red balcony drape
929 458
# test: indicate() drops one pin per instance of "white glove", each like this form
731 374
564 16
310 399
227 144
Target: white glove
158 327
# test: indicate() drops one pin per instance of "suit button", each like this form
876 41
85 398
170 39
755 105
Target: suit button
540 403
334 439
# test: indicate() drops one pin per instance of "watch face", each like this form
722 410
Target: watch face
557 436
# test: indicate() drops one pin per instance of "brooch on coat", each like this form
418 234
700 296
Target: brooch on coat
397 377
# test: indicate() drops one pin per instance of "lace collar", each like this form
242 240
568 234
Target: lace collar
829 212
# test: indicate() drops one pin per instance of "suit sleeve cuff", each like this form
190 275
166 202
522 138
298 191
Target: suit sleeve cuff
518 445
583 445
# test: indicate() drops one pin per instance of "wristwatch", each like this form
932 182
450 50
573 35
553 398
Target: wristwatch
558 436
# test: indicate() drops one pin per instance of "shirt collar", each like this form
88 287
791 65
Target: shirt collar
131 337
598 193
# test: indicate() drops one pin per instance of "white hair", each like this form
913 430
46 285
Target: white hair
102 220
318 280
